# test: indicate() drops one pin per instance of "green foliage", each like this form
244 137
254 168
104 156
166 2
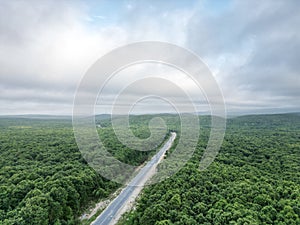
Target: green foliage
43 177
255 179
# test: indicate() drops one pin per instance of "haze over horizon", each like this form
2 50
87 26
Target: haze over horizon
251 47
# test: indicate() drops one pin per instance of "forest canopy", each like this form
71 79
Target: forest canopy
255 178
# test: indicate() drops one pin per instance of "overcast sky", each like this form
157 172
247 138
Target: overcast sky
252 47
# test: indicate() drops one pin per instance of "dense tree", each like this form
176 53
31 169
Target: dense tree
43 177
255 179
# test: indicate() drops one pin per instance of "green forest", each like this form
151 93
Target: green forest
44 178
255 178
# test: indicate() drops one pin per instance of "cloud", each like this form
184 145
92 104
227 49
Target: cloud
252 47
46 47
259 44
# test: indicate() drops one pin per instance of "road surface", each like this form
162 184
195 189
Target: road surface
114 210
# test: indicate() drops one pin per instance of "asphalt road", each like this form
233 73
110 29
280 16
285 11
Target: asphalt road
108 215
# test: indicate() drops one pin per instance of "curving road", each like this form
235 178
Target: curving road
114 210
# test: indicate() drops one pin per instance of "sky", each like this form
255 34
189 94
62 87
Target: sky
252 48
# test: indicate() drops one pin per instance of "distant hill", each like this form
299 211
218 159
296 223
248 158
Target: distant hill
36 116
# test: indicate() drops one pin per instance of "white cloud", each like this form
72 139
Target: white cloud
47 46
